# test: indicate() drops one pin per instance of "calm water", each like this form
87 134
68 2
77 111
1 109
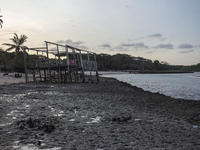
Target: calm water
186 86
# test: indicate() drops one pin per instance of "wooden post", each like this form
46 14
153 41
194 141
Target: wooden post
74 56
58 63
97 74
89 66
49 72
25 69
75 64
78 59
83 75
67 55
65 78
45 77
40 75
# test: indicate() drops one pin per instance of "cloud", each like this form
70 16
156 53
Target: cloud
165 46
149 52
128 46
135 45
128 6
82 47
74 43
60 41
105 46
182 46
77 44
156 35
189 51
121 48
196 46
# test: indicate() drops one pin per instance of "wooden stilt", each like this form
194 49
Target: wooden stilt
65 77
40 75
25 69
45 77
97 75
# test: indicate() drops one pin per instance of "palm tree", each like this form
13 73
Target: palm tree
18 45
1 21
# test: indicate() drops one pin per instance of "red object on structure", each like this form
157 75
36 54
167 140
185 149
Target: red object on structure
71 62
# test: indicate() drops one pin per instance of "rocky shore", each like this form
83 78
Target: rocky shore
111 115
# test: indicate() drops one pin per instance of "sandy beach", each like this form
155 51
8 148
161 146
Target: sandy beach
9 78
111 115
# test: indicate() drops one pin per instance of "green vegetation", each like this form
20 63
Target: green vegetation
17 46
105 62
128 62
191 68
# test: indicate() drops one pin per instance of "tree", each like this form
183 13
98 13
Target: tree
1 21
18 45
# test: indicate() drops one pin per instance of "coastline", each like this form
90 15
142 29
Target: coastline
108 115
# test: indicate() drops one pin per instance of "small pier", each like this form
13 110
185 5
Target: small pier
60 63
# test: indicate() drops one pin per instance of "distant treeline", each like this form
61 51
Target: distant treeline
105 62
128 62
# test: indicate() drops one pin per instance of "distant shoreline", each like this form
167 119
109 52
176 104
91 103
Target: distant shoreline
142 72
161 72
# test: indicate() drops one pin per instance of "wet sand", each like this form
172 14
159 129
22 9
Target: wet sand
111 115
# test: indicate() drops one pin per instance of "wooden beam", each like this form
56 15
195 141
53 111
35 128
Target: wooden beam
54 43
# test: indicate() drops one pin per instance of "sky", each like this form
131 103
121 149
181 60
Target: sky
164 30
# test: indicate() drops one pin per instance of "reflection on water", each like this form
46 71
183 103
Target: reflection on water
184 86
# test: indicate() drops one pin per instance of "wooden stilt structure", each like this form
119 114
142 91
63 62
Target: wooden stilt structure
47 69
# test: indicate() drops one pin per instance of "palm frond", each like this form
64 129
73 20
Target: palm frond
25 47
15 35
22 39
7 44
1 21
11 48
16 39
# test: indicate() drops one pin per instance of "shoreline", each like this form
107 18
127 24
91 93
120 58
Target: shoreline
108 115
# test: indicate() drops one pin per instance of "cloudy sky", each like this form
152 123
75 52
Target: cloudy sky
164 30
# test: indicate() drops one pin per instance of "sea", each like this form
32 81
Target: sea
180 85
